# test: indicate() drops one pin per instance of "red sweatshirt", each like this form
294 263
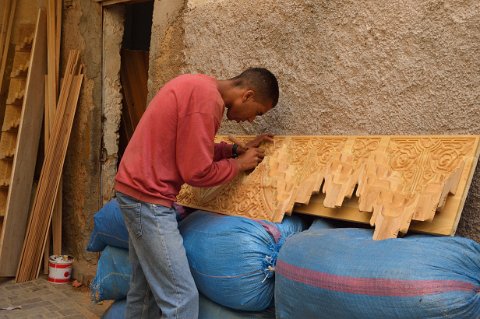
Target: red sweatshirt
174 143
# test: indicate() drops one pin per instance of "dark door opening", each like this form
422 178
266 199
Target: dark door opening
134 68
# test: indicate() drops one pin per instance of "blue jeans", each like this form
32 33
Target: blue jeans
161 285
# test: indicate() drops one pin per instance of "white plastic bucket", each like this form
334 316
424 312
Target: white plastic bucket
59 268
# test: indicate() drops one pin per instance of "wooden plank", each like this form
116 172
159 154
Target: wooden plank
72 100
58 37
6 42
35 224
445 221
30 261
46 253
5 7
25 157
134 78
47 126
57 222
269 191
401 180
56 226
51 51
46 114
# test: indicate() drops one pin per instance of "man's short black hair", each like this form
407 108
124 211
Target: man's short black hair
262 81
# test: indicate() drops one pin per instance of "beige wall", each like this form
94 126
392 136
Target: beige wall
350 67
82 30
167 57
113 29
345 67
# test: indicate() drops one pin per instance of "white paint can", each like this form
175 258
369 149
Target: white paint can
59 268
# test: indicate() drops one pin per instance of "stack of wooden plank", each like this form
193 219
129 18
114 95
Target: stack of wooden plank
46 194
392 182
54 20
20 139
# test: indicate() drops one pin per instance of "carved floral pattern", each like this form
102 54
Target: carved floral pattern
363 147
254 195
426 160
412 166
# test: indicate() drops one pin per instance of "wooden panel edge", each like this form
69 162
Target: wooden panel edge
15 225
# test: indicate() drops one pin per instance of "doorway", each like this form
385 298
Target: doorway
134 68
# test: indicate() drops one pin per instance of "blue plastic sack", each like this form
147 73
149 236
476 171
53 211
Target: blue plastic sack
232 259
211 310
116 310
112 279
108 228
207 310
344 274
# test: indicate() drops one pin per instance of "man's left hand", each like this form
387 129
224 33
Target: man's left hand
259 140
256 142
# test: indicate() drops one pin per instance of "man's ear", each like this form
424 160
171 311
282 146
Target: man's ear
247 95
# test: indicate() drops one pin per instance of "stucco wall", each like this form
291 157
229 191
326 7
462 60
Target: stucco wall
113 29
349 67
82 30
345 67
167 58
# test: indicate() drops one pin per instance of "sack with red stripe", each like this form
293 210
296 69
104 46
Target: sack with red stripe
232 259
344 274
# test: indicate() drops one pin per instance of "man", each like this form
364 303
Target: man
174 144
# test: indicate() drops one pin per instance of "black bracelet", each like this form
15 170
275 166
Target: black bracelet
234 151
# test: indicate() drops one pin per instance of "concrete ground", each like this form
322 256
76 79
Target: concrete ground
42 299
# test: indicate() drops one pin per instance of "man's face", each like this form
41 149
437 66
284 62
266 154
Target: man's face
246 108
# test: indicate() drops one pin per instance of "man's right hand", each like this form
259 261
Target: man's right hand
250 159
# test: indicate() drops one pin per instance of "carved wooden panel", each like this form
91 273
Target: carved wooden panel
11 120
387 181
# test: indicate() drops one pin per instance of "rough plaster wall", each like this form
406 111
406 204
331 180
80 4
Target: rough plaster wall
113 29
350 67
166 44
82 29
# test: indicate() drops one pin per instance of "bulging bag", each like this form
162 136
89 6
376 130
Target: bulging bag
210 310
108 228
232 259
116 310
207 310
112 279
344 274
